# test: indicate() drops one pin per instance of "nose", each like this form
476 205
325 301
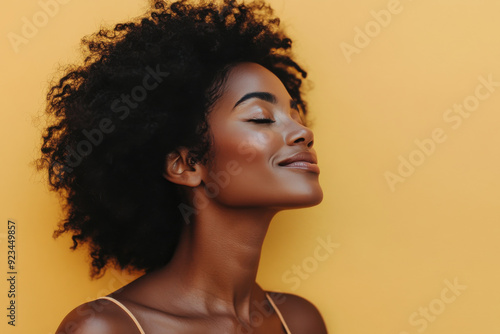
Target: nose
299 134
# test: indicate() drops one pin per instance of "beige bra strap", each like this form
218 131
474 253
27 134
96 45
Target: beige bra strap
126 310
279 314
142 331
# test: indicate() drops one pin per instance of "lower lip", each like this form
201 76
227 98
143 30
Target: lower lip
304 166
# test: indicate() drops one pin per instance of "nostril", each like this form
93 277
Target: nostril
310 144
301 139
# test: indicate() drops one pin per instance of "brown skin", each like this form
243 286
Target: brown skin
209 285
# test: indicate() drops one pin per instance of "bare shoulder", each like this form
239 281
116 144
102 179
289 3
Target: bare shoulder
99 316
301 316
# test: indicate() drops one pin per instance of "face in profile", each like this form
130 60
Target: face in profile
263 154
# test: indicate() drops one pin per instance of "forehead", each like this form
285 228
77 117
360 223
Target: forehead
251 77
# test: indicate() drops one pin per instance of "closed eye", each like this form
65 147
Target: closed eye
261 120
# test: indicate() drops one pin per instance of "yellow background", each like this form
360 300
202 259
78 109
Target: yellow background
396 248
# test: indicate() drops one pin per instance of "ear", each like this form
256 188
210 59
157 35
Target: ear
180 169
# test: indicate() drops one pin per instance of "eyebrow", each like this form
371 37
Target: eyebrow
265 96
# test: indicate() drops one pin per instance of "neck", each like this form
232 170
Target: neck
218 255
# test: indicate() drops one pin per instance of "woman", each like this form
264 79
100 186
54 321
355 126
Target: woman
174 144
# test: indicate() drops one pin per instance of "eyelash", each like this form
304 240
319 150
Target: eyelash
262 120
268 121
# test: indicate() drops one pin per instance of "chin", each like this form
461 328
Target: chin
314 199
304 200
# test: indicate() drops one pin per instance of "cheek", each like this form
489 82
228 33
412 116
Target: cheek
255 147
245 145
242 161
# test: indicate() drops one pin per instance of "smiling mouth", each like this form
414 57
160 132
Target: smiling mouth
303 165
303 161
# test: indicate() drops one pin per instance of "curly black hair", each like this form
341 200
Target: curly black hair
143 89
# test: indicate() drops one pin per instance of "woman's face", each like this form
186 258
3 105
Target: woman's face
263 154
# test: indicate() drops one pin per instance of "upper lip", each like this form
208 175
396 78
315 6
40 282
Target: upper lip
301 156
